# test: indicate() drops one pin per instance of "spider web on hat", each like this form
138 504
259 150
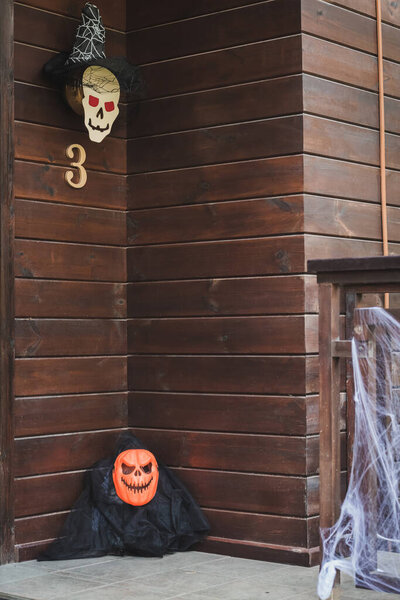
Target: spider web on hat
90 37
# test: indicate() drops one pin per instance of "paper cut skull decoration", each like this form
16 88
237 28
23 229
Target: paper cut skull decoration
91 82
100 101
135 476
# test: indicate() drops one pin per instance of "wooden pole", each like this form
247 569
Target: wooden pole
382 144
6 281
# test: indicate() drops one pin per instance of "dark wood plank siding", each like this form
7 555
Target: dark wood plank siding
219 359
70 368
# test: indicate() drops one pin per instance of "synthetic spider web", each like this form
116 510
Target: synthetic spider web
365 541
90 37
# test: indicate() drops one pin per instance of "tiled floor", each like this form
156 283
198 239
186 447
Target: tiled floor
187 576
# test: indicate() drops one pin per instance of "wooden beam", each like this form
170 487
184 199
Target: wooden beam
6 280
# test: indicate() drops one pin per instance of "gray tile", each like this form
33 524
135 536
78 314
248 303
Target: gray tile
59 565
46 586
118 591
122 569
18 572
240 567
251 588
181 581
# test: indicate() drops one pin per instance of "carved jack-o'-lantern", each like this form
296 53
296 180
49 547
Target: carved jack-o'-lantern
135 476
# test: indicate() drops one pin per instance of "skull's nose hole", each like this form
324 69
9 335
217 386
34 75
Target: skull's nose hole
127 470
100 113
137 473
147 468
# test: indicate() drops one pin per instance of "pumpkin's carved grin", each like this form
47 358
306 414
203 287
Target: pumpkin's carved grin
136 488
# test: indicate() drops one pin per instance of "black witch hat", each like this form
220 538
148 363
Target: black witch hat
88 50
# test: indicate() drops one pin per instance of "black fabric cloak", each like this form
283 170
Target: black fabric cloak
100 523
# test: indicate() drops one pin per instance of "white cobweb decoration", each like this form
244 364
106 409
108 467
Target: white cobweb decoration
365 541
90 37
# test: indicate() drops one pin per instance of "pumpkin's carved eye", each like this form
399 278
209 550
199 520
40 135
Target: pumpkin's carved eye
147 468
127 470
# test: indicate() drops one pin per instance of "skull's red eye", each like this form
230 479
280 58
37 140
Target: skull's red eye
109 106
93 101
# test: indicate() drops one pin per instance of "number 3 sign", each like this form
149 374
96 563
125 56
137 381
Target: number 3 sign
69 175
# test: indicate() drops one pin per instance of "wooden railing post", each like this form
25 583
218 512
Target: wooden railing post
329 411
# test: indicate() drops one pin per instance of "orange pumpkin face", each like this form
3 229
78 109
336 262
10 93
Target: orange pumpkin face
135 476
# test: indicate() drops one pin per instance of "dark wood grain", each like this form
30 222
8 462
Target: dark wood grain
232 452
42 376
210 412
235 296
40 181
270 494
251 62
227 143
247 179
244 25
146 15
224 220
50 454
263 529
224 374
262 99
227 335
65 414
57 32
48 221
46 298
72 337
68 261
6 283
47 493
263 256
36 143
113 15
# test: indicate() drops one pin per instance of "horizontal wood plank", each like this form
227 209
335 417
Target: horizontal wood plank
227 335
43 376
45 298
65 414
113 15
231 452
331 247
333 61
33 26
260 21
47 493
236 296
224 374
273 494
225 143
48 144
40 527
55 260
49 454
261 256
251 62
47 182
223 220
48 221
71 337
262 99
210 412
247 179
264 529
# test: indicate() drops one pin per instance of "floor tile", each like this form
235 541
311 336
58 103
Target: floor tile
118 591
47 586
18 572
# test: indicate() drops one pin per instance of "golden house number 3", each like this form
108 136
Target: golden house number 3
81 157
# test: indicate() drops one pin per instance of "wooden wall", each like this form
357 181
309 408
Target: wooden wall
70 346
170 294
222 370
